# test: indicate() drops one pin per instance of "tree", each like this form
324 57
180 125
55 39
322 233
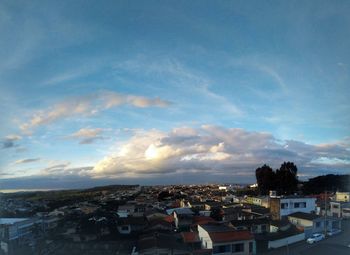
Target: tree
286 178
265 178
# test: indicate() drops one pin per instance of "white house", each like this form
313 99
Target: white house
224 240
283 206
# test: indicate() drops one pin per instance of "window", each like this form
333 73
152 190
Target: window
221 249
125 228
284 205
303 205
318 224
335 206
239 247
296 205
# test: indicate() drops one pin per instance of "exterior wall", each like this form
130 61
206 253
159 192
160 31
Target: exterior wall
335 209
125 229
207 243
261 201
244 252
286 241
205 238
275 208
342 196
300 222
310 205
317 225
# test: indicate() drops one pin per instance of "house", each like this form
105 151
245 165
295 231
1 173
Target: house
282 233
226 240
15 233
161 243
280 207
126 210
183 217
313 223
342 196
154 214
255 212
232 212
263 201
255 226
340 209
161 224
192 240
131 225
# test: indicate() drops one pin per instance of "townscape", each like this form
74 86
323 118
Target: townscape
174 127
174 219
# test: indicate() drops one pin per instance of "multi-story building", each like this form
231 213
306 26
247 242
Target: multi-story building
340 209
283 206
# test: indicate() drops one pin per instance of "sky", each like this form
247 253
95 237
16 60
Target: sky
162 92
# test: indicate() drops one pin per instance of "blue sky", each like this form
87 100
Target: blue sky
149 92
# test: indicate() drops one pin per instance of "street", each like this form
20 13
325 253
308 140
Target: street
335 245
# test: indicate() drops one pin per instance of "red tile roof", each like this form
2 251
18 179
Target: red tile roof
190 237
169 219
229 236
200 220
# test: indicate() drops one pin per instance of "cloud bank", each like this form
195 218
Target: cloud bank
216 151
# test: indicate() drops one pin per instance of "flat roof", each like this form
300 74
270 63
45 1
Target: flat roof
11 221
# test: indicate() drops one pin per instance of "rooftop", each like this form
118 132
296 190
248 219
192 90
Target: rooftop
304 216
190 237
11 221
223 237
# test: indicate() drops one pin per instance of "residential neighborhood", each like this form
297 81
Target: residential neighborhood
174 219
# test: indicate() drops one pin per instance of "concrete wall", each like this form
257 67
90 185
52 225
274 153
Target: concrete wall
342 196
286 241
310 205
205 238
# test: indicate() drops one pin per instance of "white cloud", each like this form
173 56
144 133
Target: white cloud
88 135
212 150
88 105
27 160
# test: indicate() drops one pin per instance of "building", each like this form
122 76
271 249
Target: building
280 207
161 243
312 223
183 217
342 196
222 239
340 209
255 226
263 201
15 233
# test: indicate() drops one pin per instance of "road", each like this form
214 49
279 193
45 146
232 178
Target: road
335 245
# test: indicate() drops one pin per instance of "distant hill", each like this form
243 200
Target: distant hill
329 182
